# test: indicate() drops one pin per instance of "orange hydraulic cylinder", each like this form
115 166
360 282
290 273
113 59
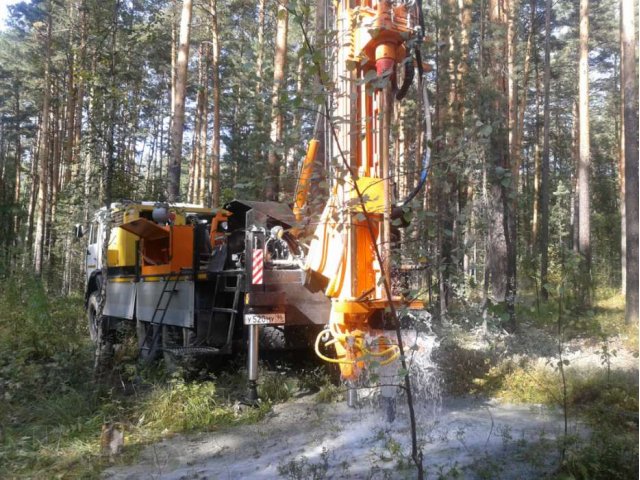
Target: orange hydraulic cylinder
305 179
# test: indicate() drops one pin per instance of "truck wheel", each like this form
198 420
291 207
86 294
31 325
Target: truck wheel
93 319
176 337
101 338
145 332
104 354
272 338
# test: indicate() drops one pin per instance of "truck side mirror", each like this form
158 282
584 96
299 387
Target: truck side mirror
78 230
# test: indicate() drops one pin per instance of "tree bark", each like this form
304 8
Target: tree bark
215 71
201 161
584 164
629 82
18 165
535 217
81 62
195 172
544 167
510 191
575 157
501 249
272 183
43 151
621 162
175 159
260 54
174 41
522 104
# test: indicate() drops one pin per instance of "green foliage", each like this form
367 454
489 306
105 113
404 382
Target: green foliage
184 406
611 453
53 407
302 469
276 387
608 401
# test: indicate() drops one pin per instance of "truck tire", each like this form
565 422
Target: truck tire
93 319
176 337
145 334
103 362
102 340
272 338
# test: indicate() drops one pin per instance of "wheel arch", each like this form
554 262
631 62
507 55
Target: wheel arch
94 283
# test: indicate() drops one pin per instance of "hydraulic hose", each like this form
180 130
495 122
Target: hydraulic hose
426 160
390 353
408 79
427 116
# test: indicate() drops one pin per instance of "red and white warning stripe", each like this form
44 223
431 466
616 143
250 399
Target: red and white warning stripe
258 266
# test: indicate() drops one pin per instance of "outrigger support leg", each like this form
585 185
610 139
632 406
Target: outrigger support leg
254 335
352 395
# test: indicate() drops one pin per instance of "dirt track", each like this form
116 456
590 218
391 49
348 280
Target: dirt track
304 439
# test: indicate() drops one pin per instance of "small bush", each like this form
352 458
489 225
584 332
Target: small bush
610 453
182 406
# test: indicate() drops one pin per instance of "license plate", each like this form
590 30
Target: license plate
263 318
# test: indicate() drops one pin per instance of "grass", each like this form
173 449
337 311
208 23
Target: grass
514 370
52 408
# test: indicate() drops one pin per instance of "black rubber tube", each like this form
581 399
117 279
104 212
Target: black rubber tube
409 73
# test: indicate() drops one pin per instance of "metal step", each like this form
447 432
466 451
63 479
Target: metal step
224 310
208 311
181 351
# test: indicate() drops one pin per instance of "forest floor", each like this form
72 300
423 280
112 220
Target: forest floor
304 439
469 425
489 404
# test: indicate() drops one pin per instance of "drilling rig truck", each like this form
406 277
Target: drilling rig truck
213 281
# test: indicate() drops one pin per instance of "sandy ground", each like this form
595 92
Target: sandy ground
305 439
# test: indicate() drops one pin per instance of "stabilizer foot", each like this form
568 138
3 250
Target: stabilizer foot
252 398
388 404
352 397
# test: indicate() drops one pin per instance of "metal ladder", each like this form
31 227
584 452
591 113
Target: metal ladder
221 286
155 331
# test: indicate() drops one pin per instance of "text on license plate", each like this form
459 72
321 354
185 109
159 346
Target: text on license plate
263 318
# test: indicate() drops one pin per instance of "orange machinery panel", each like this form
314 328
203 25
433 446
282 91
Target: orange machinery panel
164 248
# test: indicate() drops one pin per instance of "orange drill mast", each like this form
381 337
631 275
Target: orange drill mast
351 247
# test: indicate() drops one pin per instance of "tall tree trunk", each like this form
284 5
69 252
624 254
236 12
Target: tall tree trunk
112 112
621 162
272 183
584 164
81 65
535 217
31 215
43 151
510 190
575 157
200 118
629 82
174 55
260 53
516 151
201 162
501 249
544 170
214 187
175 160
18 165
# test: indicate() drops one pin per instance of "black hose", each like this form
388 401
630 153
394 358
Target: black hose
427 156
409 73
